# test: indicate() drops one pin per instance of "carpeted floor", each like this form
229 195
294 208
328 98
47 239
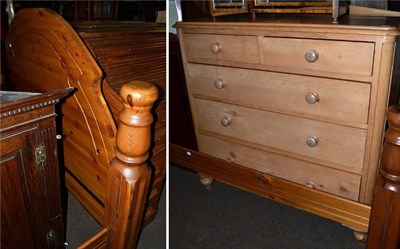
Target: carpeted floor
228 217
81 226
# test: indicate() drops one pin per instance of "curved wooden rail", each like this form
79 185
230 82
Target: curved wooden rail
384 228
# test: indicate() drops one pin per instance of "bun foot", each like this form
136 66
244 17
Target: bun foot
360 237
206 181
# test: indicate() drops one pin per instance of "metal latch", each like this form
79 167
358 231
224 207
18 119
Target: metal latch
51 237
40 155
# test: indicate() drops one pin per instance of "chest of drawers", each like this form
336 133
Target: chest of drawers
300 106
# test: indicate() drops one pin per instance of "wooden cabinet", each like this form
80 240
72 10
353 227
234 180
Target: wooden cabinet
31 213
291 102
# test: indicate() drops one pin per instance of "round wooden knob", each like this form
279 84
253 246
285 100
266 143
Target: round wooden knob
312 141
311 55
312 98
225 121
216 47
219 84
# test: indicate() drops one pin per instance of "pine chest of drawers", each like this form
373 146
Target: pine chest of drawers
300 105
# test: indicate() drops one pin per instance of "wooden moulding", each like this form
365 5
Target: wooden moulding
350 213
384 230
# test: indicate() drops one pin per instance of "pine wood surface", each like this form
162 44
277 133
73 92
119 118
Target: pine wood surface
334 56
127 55
129 176
304 172
252 131
277 131
384 229
339 101
352 214
99 241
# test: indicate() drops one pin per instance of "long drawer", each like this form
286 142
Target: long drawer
304 138
312 175
318 98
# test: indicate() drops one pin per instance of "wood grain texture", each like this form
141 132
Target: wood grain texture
31 212
233 48
384 231
43 48
127 54
249 116
339 101
87 119
334 56
285 133
99 241
45 52
350 213
129 176
327 179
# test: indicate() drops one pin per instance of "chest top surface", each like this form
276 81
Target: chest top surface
316 23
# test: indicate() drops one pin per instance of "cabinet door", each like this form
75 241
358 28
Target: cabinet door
31 214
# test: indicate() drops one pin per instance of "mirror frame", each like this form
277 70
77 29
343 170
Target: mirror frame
333 7
228 8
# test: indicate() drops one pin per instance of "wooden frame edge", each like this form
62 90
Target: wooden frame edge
350 213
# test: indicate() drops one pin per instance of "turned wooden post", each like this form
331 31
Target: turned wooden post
129 173
384 227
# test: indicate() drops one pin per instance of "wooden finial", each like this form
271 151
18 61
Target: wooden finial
133 144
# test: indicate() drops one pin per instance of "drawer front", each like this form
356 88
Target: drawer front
323 99
213 48
330 180
310 139
324 56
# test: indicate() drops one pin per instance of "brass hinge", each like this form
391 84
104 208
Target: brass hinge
40 155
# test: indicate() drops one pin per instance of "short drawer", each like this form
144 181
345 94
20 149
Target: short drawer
319 55
319 98
330 180
302 138
213 48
